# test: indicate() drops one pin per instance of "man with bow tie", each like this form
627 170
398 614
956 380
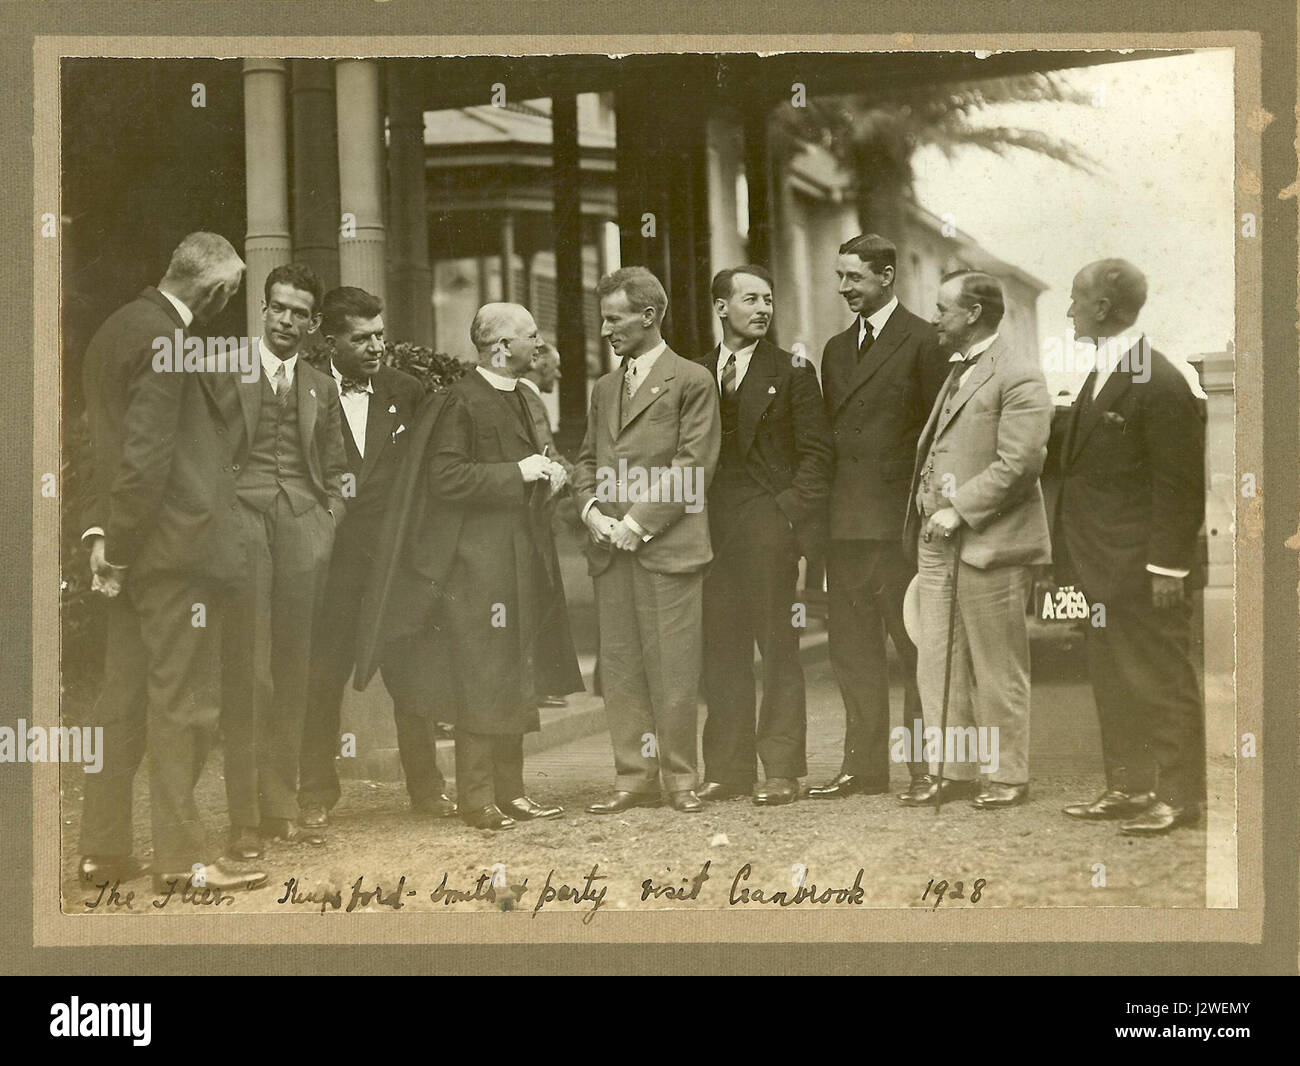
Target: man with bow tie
378 404
976 524
766 507
880 377
289 463
1131 507
651 447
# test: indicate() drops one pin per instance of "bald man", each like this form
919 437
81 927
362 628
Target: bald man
468 585
1127 527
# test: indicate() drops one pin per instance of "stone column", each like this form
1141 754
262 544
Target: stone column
361 153
315 169
409 314
267 243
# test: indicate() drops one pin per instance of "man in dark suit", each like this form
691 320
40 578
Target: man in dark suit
468 585
378 408
653 432
765 506
976 524
288 478
1131 506
880 377
160 529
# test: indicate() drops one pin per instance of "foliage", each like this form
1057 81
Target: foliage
435 370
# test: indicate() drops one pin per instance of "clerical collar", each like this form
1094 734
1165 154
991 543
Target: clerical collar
532 385
497 381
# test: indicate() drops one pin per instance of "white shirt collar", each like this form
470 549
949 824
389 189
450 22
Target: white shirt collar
187 316
743 355
271 362
646 360
498 381
1113 349
978 348
878 318
532 385
338 380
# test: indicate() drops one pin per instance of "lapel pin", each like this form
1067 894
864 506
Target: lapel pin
392 409
313 393
654 390
771 390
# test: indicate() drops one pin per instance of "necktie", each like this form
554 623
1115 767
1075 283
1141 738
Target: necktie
280 383
729 376
629 377
868 338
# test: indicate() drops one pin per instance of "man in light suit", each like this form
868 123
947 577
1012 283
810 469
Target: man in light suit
164 544
378 410
1132 502
766 509
880 377
289 463
977 508
653 434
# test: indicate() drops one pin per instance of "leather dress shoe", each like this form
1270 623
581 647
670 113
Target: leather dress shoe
245 844
996 795
489 817
1112 804
717 790
523 809
314 816
624 801
96 869
1160 817
924 790
776 791
223 875
685 801
439 806
283 829
846 785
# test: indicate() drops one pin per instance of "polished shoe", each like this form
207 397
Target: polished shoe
97 869
524 809
996 795
552 701
489 817
283 829
685 801
1112 804
924 790
245 844
439 806
224 875
776 791
716 790
1160 817
625 801
846 785
314 816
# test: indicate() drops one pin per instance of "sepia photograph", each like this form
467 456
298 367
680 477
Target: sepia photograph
761 491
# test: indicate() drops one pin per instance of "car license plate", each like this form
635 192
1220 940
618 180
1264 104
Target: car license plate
1063 604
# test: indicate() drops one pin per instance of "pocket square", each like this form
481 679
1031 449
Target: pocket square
1114 418
398 430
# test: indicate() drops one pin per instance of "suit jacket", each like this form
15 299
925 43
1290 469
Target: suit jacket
319 427
162 483
877 409
673 422
992 437
785 436
459 495
1133 483
393 403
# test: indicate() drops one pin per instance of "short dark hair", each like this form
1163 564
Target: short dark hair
980 288
347 301
724 280
296 275
876 251
641 288
1123 284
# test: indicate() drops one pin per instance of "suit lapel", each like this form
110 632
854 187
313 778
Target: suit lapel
379 425
757 392
250 394
1116 385
878 354
307 408
980 373
653 386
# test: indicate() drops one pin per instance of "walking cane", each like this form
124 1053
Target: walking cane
947 669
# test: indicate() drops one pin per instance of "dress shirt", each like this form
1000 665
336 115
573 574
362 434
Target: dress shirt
743 357
639 367
978 348
877 320
271 363
356 409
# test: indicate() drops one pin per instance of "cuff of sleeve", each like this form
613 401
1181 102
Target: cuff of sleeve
587 507
93 531
635 527
1166 571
